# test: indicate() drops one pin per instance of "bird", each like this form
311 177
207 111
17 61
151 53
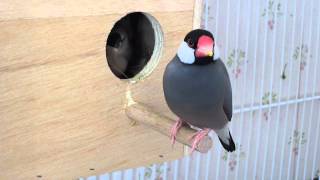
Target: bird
197 89
130 45
119 52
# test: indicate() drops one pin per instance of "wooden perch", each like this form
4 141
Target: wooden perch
141 113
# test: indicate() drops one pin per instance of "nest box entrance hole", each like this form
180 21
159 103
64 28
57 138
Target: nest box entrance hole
134 46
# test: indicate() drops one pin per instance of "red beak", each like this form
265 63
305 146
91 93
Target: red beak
204 47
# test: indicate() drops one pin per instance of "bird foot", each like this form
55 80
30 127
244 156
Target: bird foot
174 131
197 138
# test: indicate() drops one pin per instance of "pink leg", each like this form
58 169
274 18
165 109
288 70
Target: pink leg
174 131
198 137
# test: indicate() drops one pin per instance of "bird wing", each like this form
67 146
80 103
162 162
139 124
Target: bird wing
227 104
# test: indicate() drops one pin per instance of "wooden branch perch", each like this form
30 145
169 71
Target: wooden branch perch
141 113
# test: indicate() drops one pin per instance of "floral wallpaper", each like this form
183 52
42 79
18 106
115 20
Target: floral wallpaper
159 172
234 157
297 139
280 62
302 52
273 10
235 62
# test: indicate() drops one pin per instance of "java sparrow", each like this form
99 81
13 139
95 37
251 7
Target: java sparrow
197 89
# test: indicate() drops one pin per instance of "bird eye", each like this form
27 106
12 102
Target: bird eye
190 43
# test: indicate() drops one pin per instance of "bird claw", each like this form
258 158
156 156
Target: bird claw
174 131
197 137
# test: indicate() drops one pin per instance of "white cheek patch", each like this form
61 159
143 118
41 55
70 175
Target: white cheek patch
216 53
185 53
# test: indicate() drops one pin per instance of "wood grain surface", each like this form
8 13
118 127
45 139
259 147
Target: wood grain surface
61 108
15 9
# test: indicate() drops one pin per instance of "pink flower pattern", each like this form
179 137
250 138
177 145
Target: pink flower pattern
272 11
298 140
302 53
233 157
235 62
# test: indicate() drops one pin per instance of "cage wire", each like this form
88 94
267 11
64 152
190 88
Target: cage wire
271 50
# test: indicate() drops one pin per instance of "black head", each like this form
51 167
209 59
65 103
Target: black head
198 48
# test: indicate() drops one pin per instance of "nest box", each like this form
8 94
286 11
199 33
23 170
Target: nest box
62 104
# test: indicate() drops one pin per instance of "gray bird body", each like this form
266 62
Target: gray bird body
200 95
197 87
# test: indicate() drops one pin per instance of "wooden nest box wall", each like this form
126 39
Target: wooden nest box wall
62 110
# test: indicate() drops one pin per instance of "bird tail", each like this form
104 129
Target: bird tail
226 139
